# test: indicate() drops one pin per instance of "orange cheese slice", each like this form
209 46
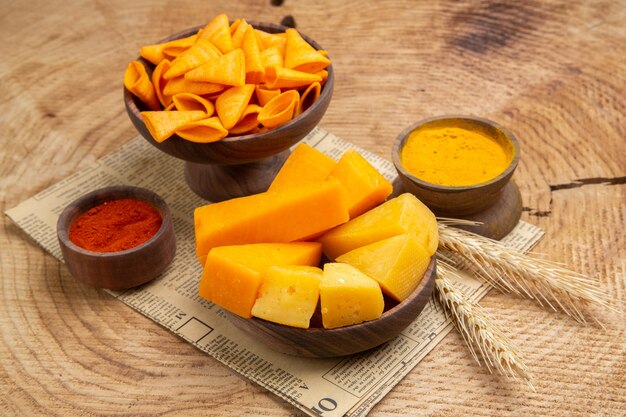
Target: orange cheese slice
305 165
233 275
281 216
365 186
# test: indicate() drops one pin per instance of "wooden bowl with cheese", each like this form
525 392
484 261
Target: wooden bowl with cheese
317 342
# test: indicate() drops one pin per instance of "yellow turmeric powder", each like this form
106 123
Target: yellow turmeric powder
453 156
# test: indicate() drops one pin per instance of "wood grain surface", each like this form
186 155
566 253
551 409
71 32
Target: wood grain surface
553 72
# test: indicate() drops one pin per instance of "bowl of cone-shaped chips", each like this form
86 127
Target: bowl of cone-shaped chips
229 92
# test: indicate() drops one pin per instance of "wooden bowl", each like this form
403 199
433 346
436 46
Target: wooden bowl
497 203
208 171
123 269
324 343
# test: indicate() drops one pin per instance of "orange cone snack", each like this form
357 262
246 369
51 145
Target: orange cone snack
249 120
215 69
239 33
218 32
280 109
231 104
323 74
234 26
156 53
136 80
279 77
271 57
308 97
301 56
255 71
159 82
162 124
203 131
229 69
263 95
182 85
188 101
272 40
203 51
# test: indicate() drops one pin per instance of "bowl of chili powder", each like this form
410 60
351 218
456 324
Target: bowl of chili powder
117 237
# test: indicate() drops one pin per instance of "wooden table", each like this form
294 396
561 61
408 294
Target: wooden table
553 72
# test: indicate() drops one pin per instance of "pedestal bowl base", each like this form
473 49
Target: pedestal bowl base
222 182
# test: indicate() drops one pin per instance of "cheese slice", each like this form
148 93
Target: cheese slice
233 275
348 296
398 216
305 165
397 263
282 216
288 295
365 186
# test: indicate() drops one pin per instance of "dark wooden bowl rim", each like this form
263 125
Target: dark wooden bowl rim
429 275
327 89
404 135
87 201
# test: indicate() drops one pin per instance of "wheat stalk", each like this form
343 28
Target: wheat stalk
547 282
480 334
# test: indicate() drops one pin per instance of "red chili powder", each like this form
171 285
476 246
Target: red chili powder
115 225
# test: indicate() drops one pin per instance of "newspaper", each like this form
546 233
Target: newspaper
348 386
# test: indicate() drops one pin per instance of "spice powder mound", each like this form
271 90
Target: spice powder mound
115 225
453 156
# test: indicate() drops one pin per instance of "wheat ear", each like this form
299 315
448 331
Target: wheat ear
478 331
547 282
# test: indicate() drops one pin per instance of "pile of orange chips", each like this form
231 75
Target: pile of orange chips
226 80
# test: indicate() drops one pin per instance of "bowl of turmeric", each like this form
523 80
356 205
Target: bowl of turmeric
229 98
117 237
461 166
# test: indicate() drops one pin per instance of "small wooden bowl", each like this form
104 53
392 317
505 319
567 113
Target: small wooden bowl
496 203
123 269
238 165
324 343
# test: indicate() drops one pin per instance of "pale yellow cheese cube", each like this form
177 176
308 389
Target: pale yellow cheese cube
348 296
288 295
397 263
